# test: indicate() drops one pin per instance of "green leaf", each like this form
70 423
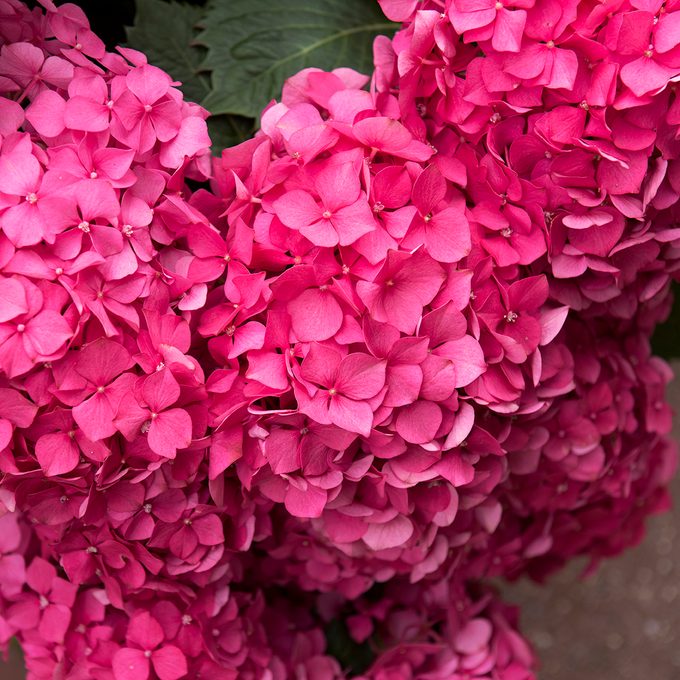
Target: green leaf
165 32
228 131
352 656
666 338
247 48
254 45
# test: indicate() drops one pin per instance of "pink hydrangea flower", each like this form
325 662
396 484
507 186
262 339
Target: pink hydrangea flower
398 337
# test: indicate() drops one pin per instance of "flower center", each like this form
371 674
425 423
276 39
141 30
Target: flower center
511 317
84 226
128 229
32 198
327 214
148 108
507 232
147 508
21 327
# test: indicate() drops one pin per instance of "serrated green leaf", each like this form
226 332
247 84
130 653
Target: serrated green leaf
254 45
165 32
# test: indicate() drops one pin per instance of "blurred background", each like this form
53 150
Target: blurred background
623 623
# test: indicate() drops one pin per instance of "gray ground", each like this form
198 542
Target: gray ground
621 624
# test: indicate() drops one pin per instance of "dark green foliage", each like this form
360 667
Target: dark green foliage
666 339
233 56
254 45
165 32
353 657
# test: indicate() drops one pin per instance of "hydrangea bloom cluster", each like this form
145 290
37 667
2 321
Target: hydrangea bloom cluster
392 345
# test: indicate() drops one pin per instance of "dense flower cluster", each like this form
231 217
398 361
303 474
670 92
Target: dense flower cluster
397 344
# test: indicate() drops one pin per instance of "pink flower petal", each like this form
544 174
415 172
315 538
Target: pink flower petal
82 113
130 664
315 315
169 431
160 390
391 534
46 113
297 209
418 423
95 417
12 299
144 631
46 333
169 663
360 376
57 454
354 416
475 635
507 35
307 502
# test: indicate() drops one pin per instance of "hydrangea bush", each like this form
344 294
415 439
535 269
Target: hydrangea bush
393 345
